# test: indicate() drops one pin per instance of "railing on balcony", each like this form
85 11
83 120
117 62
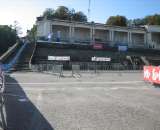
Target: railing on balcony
138 44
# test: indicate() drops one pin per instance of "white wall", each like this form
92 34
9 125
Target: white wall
121 37
153 28
82 34
71 31
43 28
156 37
102 35
138 39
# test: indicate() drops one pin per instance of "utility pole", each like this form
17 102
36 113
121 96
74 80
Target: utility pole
89 10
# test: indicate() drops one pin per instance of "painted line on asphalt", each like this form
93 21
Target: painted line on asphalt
85 88
71 83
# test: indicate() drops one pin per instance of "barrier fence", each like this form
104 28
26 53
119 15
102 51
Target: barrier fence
82 67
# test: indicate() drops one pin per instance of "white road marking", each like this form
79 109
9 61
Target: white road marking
130 88
23 100
71 83
39 99
83 88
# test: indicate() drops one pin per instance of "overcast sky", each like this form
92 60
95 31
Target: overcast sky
26 11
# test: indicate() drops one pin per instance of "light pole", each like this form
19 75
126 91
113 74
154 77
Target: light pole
89 10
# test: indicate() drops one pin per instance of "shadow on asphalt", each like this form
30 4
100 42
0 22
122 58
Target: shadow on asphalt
18 112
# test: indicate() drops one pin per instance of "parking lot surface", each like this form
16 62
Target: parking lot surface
101 101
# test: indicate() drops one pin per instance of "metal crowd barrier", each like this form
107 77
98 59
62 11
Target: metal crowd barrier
77 68
55 69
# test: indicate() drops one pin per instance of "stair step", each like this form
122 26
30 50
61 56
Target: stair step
23 62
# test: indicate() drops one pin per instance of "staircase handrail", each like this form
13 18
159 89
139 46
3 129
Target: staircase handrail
7 67
30 61
8 52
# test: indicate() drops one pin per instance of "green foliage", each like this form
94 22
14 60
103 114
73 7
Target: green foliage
79 16
117 21
64 13
31 34
17 27
139 22
8 38
153 19
148 20
48 12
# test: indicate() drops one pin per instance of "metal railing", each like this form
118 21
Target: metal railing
8 52
83 67
2 80
13 61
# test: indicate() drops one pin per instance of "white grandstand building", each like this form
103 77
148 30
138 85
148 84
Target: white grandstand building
71 32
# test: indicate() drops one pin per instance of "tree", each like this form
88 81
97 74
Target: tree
31 34
62 13
153 19
148 20
49 13
8 38
117 21
136 22
79 16
17 27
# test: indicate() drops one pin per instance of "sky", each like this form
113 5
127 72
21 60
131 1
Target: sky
26 11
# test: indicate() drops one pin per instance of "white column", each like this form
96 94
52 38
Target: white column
131 38
91 35
145 39
149 39
110 35
93 38
113 35
70 33
73 34
128 38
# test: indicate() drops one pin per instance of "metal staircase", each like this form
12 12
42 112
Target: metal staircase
23 62
143 58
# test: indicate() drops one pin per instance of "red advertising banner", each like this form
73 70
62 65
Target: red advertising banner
152 74
97 46
147 71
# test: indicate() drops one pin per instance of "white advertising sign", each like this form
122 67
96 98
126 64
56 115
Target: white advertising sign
122 48
101 59
59 58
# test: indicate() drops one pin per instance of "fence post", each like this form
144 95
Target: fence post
95 67
61 70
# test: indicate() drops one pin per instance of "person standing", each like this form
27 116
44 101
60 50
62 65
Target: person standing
58 36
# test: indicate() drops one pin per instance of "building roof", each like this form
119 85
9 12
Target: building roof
90 23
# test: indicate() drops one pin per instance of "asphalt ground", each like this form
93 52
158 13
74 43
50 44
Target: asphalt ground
101 101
